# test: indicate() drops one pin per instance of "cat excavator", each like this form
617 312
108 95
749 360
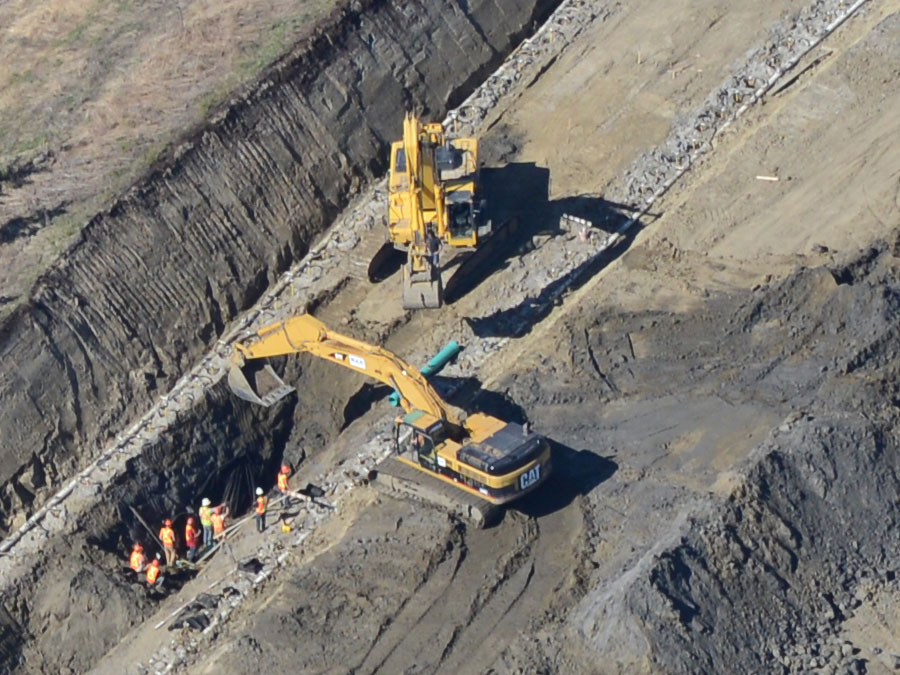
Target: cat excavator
433 203
469 465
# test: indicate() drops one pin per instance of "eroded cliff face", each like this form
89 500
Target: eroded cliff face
153 282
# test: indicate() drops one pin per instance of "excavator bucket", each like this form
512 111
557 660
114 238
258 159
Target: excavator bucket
421 290
259 385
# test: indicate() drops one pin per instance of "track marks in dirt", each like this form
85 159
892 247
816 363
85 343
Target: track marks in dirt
460 603
401 628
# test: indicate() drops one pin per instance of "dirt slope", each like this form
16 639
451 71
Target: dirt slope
689 527
152 282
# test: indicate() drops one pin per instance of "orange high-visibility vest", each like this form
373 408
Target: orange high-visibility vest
137 559
218 522
190 535
167 534
206 516
152 574
282 482
261 504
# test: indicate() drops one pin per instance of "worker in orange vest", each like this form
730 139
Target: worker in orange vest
218 520
153 576
137 559
191 539
167 537
283 486
262 503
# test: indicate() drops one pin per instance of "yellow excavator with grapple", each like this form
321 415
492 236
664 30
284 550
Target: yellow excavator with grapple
433 202
469 466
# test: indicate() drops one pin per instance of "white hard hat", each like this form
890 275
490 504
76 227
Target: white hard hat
259 491
205 502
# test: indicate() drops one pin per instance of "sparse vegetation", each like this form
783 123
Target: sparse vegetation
97 91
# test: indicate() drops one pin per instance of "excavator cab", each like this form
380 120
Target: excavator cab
418 435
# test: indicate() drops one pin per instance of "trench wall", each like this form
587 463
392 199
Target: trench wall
152 282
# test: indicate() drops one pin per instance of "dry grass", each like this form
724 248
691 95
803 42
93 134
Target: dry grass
95 89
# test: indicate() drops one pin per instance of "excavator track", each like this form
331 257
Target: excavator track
398 479
461 270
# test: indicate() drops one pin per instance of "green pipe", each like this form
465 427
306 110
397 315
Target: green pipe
441 359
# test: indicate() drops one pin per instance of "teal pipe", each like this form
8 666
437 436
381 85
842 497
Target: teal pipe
441 359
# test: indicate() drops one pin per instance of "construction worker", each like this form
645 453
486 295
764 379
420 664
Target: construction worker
191 539
137 559
206 522
218 521
283 485
154 579
262 503
167 537
433 247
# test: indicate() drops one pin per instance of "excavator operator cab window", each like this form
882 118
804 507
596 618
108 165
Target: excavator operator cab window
400 161
448 158
418 444
461 215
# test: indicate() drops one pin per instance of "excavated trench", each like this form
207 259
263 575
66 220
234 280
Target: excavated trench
153 281
829 470
115 323
222 450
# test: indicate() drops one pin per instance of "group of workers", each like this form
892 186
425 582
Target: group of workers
214 530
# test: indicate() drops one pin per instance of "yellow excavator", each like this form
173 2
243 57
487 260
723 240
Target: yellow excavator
433 202
468 466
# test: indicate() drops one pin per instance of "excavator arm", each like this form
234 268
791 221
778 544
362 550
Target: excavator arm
425 206
468 468
305 333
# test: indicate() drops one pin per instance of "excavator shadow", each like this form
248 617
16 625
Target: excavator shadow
518 320
519 193
511 192
575 474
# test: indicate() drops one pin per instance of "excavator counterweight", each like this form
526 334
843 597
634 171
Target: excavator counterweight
472 463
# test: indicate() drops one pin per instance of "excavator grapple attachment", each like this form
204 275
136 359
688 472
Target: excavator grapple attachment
257 385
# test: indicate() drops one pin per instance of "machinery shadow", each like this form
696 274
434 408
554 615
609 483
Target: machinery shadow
520 193
576 473
362 401
513 194
518 320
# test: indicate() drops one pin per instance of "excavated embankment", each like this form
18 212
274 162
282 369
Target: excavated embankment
222 450
795 570
152 282
771 583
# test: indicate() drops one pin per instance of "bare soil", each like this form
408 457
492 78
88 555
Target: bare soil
93 93
720 393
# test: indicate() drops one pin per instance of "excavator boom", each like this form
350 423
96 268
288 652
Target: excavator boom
305 333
